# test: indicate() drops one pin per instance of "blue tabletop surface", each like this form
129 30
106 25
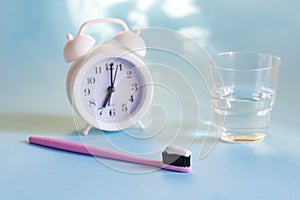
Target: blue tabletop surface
34 102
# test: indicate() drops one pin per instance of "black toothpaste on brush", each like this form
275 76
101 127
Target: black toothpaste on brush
176 156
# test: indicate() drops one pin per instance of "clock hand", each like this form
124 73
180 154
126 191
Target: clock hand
110 90
113 83
111 74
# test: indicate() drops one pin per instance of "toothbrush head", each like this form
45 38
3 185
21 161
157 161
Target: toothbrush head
177 159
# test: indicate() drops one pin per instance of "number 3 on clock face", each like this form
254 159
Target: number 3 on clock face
112 93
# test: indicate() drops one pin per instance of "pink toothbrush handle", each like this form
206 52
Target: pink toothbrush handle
100 152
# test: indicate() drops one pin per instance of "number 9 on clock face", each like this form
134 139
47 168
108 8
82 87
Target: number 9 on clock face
112 93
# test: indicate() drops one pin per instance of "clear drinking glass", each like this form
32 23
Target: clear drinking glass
243 90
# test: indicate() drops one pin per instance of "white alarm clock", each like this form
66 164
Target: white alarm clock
108 85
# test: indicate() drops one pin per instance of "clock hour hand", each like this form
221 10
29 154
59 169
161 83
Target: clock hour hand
110 90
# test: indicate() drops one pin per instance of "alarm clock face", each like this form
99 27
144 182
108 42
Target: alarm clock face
112 93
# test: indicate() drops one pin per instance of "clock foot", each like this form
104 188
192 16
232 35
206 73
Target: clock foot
140 125
86 130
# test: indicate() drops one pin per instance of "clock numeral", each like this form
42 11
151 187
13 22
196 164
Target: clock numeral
91 80
129 74
109 66
131 99
134 86
124 107
92 102
112 112
87 92
98 70
100 110
120 67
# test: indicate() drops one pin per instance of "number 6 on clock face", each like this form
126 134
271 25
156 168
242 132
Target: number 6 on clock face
111 92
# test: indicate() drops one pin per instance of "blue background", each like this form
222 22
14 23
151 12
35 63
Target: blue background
33 100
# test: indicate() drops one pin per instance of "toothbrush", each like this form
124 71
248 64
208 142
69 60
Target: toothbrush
174 158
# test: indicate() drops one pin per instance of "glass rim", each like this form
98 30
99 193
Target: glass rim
212 64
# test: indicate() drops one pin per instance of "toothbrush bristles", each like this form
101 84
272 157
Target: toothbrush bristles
176 160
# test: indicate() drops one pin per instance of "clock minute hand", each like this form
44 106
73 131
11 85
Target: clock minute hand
111 74
115 75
